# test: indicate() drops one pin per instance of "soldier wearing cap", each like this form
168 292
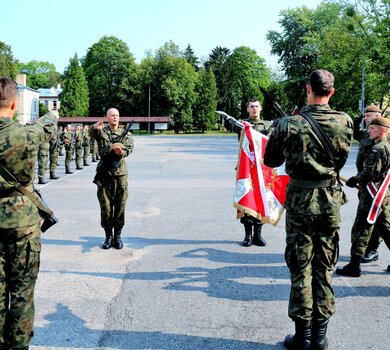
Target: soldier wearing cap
360 134
375 170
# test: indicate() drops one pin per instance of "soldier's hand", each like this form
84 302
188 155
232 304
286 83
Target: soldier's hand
99 125
352 182
118 148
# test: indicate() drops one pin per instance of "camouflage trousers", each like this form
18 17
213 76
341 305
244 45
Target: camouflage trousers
68 156
79 155
42 161
362 230
19 264
86 152
53 157
112 198
311 253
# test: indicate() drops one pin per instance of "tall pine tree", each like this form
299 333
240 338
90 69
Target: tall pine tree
74 97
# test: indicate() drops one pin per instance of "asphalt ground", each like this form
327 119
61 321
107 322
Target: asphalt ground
183 280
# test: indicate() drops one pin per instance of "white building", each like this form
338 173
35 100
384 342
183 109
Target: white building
51 98
28 101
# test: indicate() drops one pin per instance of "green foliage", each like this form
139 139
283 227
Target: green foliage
74 96
243 72
40 74
206 101
42 109
190 57
7 62
112 77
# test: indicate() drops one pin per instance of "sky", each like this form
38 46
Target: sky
54 31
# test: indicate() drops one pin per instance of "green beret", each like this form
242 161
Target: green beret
382 121
372 108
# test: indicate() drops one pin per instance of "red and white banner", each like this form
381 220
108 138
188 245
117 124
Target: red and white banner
378 197
260 190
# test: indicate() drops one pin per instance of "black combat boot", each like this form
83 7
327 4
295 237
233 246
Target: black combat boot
370 256
257 239
117 243
108 241
41 180
86 164
248 235
78 167
319 340
67 171
53 176
302 337
352 269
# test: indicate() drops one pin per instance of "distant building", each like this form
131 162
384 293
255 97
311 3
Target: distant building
28 101
51 98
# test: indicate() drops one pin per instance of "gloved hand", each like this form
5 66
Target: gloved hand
352 182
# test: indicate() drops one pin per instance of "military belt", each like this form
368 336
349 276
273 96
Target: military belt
313 184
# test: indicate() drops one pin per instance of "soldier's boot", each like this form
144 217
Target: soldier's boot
85 163
67 171
53 176
78 167
94 160
41 180
302 337
108 241
257 239
352 269
319 341
248 235
388 268
370 256
117 243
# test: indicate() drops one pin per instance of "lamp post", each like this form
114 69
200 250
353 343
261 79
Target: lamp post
149 111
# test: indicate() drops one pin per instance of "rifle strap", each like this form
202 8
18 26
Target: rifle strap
7 176
324 139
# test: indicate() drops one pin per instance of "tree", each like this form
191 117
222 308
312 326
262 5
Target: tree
190 57
172 86
243 72
216 62
7 61
112 76
42 109
204 117
40 74
74 96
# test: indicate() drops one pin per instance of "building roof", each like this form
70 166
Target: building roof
123 119
24 87
52 92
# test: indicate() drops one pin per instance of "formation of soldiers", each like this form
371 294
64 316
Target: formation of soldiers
72 141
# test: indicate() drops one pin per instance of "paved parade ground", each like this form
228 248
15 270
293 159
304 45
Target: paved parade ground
183 281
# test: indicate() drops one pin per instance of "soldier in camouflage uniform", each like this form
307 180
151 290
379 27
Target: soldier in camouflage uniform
313 201
68 141
365 144
112 193
78 138
20 243
86 145
253 226
43 152
94 150
54 148
375 168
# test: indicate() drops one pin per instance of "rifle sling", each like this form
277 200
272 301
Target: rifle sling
7 176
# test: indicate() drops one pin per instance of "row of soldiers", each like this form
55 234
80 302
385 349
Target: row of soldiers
74 142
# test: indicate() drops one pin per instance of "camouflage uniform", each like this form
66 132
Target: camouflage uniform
78 147
94 150
313 202
67 140
86 146
54 149
43 152
112 195
20 244
375 168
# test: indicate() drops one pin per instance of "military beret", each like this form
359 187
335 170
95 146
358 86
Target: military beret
382 121
372 108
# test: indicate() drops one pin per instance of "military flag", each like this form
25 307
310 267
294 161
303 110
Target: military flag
260 190
378 196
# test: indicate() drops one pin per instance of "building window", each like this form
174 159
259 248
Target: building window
54 104
47 103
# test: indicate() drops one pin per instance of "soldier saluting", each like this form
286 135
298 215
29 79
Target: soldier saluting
112 191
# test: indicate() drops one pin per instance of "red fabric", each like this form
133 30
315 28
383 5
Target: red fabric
260 190
378 199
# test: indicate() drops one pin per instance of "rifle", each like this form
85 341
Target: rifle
44 211
231 120
109 163
279 110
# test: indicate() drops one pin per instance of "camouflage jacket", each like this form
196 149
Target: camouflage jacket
18 153
294 141
105 138
376 165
